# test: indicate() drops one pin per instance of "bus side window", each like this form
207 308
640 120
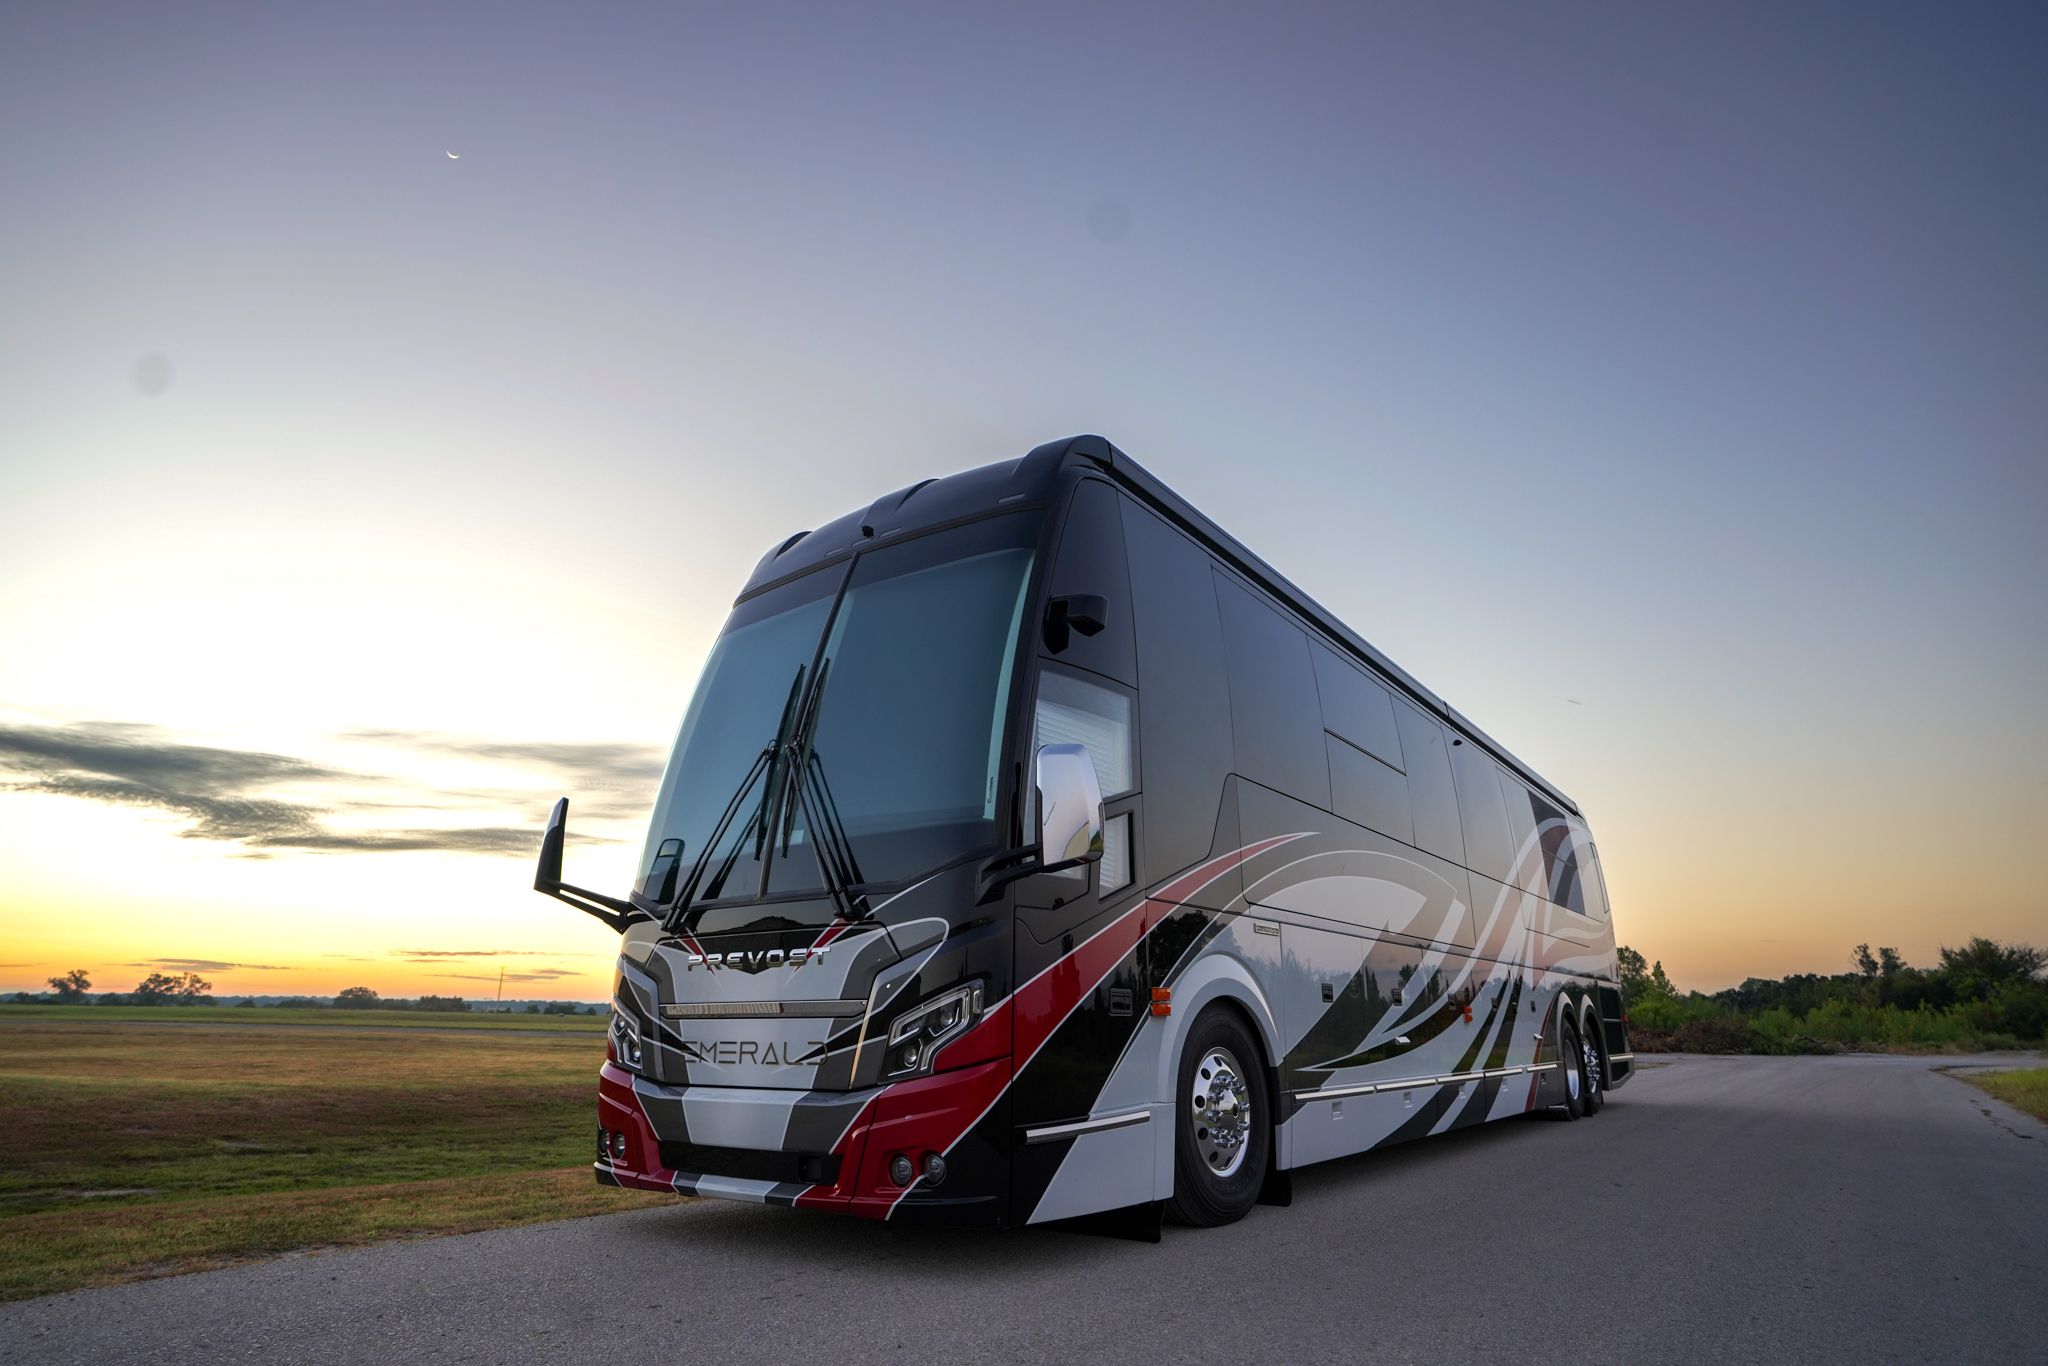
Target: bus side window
1073 710
1275 718
1184 711
1091 560
1592 878
1432 799
1482 813
1356 707
1532 854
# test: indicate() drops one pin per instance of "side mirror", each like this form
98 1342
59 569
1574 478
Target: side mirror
1087 613
1069 808
547 877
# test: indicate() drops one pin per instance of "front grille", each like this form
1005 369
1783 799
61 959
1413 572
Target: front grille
750 1164
762 1010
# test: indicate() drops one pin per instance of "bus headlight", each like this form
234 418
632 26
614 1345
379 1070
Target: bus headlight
917 1037
625 1040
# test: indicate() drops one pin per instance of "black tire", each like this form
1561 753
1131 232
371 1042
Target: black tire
1571 1070
1208 1191
1596 1082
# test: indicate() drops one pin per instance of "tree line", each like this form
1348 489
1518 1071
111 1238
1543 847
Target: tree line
190 989
1982 995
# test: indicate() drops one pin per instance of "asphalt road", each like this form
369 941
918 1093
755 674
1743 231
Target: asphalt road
1721 1209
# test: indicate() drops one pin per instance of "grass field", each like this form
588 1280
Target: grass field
274 1015
133 1149
2026 1090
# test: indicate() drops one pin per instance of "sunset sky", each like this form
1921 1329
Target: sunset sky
1669 391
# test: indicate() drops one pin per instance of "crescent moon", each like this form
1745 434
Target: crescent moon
453 156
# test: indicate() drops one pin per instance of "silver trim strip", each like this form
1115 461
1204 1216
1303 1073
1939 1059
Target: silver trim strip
1052 1133
1621 1057
761 1010
1367 1088
1542 1067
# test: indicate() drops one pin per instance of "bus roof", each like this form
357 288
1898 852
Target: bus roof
1037 476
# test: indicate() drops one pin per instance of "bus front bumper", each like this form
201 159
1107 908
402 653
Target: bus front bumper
815 1149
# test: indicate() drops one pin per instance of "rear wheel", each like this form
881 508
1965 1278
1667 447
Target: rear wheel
1596 1085
1571 1062
1223 1134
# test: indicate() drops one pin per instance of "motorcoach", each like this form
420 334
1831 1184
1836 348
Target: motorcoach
1032 850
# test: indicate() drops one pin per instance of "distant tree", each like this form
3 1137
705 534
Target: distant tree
1979 968
533 1007
71 987
178 989
450 1003
1865 961
246 1003
1641 981
356 998
1634 971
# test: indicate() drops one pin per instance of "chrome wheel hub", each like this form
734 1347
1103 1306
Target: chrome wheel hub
1221 1108
1592 1056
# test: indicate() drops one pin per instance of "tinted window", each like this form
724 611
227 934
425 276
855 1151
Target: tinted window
1183 703
1431 795
1364 790
1565 855
1275 718
1355 706
1091 561
1591 875
1480 812
1527 856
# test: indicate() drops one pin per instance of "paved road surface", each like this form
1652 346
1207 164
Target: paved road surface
1721 1209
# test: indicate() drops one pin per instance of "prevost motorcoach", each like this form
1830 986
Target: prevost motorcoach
1030 849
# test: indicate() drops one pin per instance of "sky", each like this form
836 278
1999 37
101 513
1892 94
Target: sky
1667 389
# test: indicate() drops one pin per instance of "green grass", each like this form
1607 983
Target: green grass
282 1015
134 1150
2027 1090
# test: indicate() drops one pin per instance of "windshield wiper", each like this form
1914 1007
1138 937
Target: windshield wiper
830 844
763 762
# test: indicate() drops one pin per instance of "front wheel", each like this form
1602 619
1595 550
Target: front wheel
1223 1133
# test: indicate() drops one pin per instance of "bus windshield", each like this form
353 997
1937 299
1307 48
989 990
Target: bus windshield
906 697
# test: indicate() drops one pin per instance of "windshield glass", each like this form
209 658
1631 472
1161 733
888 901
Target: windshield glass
764 652
905 736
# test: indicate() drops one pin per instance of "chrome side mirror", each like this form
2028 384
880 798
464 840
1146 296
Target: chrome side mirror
1069 808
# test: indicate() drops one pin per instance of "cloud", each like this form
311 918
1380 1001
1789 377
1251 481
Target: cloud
208 965
425 955
593 764
228 795
537 975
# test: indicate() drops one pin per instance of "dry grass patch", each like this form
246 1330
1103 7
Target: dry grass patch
43 1254
135 1149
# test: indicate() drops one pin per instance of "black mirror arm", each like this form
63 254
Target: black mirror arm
1000 870
612 911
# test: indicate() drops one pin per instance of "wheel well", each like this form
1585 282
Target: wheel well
1251 1027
